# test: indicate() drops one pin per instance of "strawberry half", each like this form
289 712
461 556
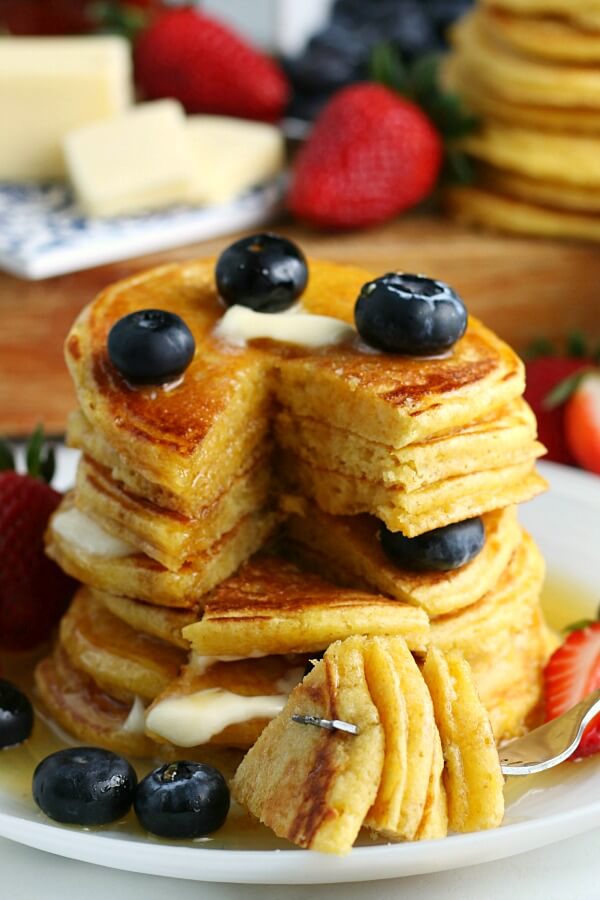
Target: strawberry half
543 376
572 673
582 422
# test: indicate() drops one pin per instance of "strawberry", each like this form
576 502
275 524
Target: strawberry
371 155
582 422
44 17
34 592
208 68
572 673
544 374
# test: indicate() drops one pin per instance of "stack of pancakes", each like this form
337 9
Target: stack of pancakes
225 527
530 69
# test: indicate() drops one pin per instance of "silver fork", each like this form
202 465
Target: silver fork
550 744
541 749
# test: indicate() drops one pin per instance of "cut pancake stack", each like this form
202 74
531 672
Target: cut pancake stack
226 528
531 71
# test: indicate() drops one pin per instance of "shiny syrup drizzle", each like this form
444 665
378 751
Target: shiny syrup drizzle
563 603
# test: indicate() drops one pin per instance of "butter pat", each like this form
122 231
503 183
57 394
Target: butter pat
194 719
240 324
140 160
87 536
48 87
230 156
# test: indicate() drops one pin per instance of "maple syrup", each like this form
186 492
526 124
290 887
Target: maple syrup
563 602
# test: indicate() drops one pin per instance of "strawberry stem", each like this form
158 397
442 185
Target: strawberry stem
565 389
41 462
7 460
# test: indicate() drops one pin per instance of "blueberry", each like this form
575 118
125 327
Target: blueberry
265 272
84 786
151 346
439 550
410 314
16 715
182 800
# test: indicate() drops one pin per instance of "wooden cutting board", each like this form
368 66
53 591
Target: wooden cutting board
524 289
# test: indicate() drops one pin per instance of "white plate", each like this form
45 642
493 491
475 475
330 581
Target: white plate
43 233
565 522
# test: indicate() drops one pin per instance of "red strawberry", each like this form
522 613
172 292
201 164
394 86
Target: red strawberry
208 68
582 422
572 673
44 17
34 592
371 155
543 375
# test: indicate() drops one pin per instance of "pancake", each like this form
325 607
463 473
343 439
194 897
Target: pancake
505 436
158 621
311 786
584 13
553 194
200 495
484 100
270 606
507 607
473 778
137 575
164 535
420 737
413 513
223 703
487 209
549 38
565 159
122 661
521 79
347 550
84 710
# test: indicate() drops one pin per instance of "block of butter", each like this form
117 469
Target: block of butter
48 86
139 160
231 155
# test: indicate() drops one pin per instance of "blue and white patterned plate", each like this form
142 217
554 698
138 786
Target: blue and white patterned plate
43 233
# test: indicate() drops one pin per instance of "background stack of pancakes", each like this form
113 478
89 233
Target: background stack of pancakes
236 514
530 69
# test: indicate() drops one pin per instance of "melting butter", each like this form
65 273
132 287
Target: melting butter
194 719
87 536
240 324
135 723
201 663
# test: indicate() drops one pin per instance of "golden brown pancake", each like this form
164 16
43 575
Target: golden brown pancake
137 575
270 606
124 662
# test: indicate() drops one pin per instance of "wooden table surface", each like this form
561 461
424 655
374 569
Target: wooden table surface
524 289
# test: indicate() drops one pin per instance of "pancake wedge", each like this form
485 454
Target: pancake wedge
159 621
473 779
312 786
138 576
347 549
386 691
270 606
434 823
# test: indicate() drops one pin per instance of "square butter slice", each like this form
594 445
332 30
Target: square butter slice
50 86
231 155
139 160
